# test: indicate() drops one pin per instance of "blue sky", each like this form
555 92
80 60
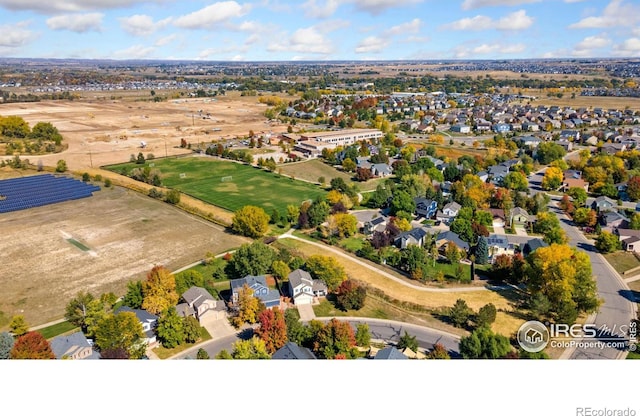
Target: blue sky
279 30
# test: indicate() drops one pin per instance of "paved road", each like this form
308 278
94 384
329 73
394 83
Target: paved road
617 310
390 331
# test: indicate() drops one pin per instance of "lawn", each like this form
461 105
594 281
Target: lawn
313 169
243 185
352 244
58 329
164 353
622 261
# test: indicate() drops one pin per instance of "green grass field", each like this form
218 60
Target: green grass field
202 179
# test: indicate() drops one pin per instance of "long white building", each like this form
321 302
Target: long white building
312 144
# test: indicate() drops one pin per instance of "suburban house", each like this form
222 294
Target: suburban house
614 219
381 170
603 203
499 244
449 212
200 304
443 240
270 297
569 183
532 245
303 289
375 224
425 207
390 353
414 237
520 216
73 347
292 351
631 244
626 233
147 320
461 128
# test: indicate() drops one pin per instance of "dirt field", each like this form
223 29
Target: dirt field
106 132
127 235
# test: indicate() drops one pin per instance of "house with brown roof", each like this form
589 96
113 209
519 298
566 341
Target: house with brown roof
569 183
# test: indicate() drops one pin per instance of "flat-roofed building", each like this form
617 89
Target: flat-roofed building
312 144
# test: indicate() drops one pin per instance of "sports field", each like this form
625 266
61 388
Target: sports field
228 184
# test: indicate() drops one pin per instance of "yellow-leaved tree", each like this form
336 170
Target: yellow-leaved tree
159 290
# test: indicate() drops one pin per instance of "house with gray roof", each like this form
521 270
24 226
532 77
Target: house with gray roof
381 170
390 353
532 245
73 347
449 212
425 207
413 237
148 321
292 351
375 224
303 289
200 304
447 237
270 297
498 245
603 203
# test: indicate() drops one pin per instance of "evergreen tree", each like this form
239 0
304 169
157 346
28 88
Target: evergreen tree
482 251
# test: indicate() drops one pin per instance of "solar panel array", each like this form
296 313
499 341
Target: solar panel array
39 190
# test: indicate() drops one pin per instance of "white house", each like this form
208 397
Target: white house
303 289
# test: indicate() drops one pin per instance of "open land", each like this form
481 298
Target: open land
230 185
103 132
311 170
127 235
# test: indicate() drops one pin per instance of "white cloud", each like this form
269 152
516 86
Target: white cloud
616 14
134 52
237 58
376 7
308 40
411 27
495 49
142 24
372 44
54 6
16 35
320 10
629 48
593 42
166 40
475 4
514 21
212 15
79 23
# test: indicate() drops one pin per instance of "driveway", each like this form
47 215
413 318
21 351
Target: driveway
499 231
306 313
520 231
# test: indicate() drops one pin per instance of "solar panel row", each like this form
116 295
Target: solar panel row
39 190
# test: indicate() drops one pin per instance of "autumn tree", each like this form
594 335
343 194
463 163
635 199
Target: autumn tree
280 269
77 309
350 295
563 275
121 330
452 253
552 179
483 343
248 307
170 329
327 269
633 188
439 352
579 195
31 346
6 345
272 329
585 217
516 181
251 349
250 221
252 259
18 325
607 242
336 337
347 225
159 290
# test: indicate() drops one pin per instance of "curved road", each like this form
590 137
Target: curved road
390 331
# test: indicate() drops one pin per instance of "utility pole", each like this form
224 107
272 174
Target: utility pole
165 147
90 160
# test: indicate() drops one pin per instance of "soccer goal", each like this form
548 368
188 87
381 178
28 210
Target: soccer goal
226 179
